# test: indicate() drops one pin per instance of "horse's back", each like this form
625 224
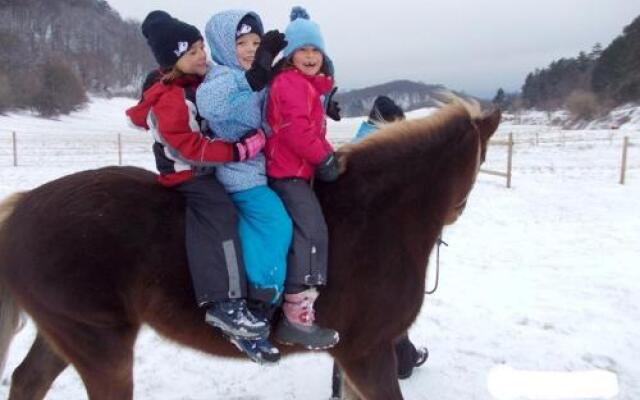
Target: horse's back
84 244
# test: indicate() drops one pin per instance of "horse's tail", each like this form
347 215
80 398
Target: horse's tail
11 320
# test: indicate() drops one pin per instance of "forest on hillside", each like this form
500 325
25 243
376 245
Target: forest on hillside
53 51
589 84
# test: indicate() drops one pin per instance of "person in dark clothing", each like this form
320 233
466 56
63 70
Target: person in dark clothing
385 111
186 157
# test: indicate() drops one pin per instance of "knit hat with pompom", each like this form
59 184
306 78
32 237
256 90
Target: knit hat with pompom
302 32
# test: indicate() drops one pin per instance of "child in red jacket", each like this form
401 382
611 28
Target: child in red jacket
297 150
185 158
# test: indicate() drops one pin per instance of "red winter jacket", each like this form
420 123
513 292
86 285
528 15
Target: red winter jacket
169 112
296 116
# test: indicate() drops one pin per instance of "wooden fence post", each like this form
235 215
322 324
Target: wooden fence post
611 138
623 169
509 159
119 149
15 149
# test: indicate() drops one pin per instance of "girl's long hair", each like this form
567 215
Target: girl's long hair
165 76
171 74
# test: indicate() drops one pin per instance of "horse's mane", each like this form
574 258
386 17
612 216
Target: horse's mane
413 143
404 153
407 131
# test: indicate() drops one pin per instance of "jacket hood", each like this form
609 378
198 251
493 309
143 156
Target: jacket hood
221 36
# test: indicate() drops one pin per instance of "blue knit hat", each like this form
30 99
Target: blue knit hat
302 32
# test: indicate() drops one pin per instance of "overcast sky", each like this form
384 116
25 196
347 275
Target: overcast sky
475 46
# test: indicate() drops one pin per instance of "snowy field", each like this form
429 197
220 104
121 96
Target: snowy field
543 276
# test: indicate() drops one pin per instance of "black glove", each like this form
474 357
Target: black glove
333 107
261 70
327 170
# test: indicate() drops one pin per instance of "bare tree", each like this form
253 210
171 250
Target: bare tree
61 91
583 104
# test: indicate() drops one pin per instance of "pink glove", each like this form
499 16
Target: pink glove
249 145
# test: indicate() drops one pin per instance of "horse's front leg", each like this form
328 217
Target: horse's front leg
372 376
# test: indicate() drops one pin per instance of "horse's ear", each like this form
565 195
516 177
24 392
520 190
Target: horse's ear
488 123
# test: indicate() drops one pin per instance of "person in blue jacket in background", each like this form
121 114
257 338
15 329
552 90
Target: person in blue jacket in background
384 111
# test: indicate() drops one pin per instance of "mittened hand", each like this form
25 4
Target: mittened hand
328 170
342 155
249 145
333 107
273 42
261 72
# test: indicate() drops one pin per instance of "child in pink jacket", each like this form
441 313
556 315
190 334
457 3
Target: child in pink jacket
297 150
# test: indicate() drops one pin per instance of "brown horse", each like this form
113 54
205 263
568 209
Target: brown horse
93 255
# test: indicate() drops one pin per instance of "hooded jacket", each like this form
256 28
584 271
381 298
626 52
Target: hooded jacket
226 100
181 148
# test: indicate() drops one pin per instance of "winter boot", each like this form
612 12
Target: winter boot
259 350
422 354
298 327
234 319
408 356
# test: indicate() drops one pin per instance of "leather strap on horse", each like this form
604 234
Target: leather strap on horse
435 287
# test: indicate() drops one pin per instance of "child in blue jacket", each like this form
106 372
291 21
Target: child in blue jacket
231 99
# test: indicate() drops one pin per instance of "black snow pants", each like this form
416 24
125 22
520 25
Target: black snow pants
213 245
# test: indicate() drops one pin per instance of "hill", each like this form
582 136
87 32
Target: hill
590 84
61 48
409 95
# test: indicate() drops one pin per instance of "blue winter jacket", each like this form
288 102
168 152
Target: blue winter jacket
365 130
226 100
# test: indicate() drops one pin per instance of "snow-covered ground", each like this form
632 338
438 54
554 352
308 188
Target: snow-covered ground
543 276
625 117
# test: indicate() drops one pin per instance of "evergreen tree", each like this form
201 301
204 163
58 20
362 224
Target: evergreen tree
616 75
499 98
608 77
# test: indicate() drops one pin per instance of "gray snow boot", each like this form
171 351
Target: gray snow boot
297 325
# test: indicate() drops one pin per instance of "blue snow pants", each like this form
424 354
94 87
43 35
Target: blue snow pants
265 231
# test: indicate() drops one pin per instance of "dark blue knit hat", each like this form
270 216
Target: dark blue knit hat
168 37
385 110
249 24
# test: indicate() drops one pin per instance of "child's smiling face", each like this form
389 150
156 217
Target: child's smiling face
308 60
246 46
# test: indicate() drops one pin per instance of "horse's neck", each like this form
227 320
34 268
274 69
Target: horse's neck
421 232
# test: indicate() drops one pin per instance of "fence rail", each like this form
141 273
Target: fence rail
107 148
507 173
31 149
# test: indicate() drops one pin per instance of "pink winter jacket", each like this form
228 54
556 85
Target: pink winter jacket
296 115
